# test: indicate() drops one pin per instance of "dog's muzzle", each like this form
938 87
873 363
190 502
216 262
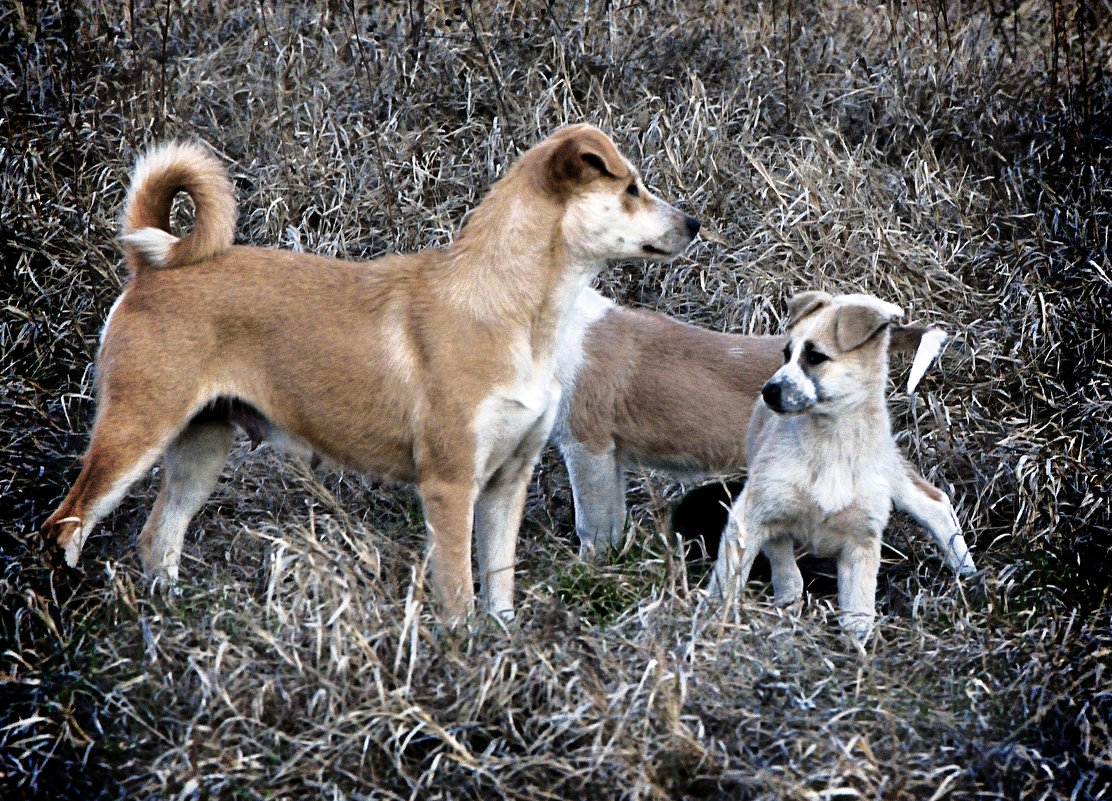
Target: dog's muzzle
787 397
692 225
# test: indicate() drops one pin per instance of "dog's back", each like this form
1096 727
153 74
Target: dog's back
661 391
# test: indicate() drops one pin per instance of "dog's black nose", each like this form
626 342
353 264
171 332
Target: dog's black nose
771 394
692 225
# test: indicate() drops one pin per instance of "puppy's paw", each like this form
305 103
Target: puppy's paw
858 627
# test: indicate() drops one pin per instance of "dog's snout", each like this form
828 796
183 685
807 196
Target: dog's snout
773 396
692 225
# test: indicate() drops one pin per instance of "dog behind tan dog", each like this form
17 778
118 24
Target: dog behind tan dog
823 466
435 368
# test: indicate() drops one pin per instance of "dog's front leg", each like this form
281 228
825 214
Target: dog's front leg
497 520
858 565
787 581
598 492
931 508
738 549
449 511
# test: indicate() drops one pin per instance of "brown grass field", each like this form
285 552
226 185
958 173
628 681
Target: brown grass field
954 157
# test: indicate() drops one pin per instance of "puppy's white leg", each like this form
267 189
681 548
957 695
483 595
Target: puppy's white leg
858 565
598 491
737 551
498 513
931 508
787 581
190 469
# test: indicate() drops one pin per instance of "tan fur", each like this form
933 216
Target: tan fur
435 368
663 391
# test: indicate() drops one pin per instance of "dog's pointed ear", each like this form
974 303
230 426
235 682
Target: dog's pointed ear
582 155
860 319
805 304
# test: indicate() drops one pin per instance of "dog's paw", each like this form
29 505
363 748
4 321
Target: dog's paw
858 627
62 539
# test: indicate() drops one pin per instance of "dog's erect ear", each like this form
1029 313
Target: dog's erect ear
805 304
584 154
859 319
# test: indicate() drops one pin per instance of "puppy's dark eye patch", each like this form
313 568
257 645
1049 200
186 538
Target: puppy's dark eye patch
787 353
632 190
813 357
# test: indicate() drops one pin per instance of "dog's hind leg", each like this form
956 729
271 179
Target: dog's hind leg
931 508
190 469
598 492
125 445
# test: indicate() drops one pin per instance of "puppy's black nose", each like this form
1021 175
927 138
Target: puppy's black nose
692 225
771 394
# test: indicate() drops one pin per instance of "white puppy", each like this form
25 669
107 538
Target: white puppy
824 470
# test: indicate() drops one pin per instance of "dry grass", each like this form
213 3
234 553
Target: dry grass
952 157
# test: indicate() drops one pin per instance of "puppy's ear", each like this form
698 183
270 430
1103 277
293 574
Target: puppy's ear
805 304
583 155
857 323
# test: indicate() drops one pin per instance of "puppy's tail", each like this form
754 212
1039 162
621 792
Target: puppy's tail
158 176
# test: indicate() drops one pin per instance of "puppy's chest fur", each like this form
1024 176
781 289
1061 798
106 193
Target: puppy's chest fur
821 484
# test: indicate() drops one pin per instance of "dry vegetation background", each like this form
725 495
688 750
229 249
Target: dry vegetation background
950 156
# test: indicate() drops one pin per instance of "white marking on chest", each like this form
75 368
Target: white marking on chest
515 417
589 308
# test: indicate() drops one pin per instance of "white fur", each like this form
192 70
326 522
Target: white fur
511 427
588 309
826 476
929 348
190 470
601 228
108 319
152 243
108 501
598 478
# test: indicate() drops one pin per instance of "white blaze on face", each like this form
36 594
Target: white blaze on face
798 391
600 226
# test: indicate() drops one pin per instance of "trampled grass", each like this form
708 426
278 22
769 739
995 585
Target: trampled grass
951 157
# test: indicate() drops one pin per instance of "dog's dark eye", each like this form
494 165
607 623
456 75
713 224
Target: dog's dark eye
787 353
633 191
813 357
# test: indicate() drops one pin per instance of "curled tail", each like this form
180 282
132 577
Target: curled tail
158 176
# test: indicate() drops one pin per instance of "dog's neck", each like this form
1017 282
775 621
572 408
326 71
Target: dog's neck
511 267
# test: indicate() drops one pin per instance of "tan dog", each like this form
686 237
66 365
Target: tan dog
435 368
644 390
824 469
